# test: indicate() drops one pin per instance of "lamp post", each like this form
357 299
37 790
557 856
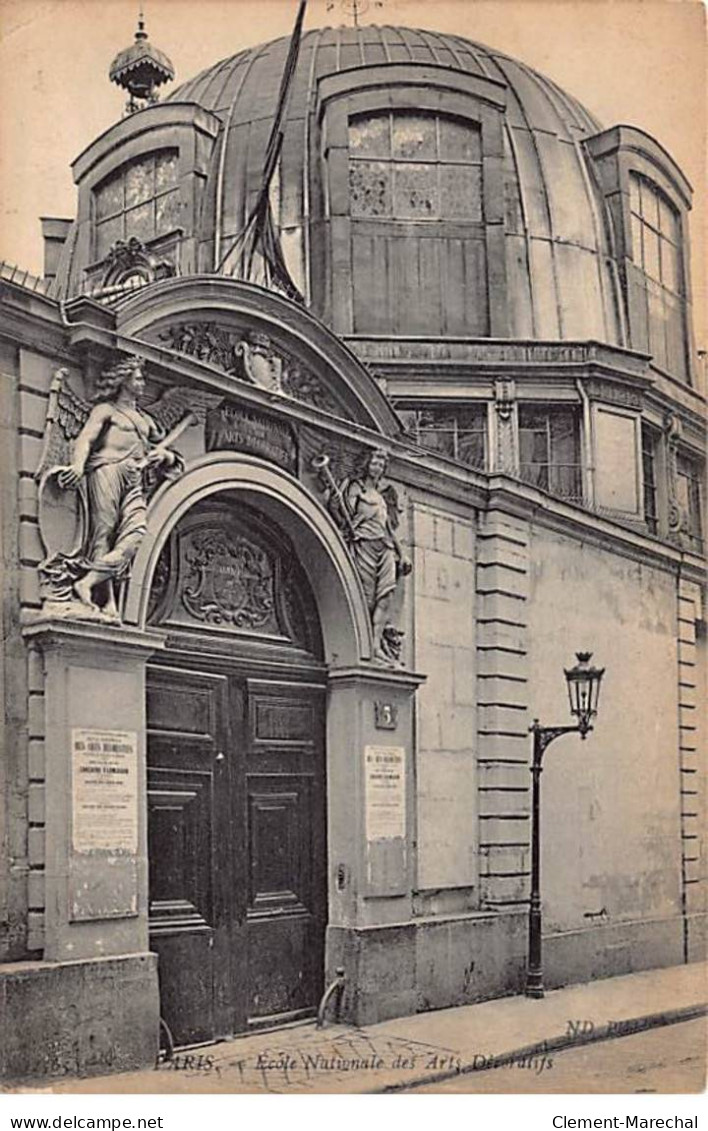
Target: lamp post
583 682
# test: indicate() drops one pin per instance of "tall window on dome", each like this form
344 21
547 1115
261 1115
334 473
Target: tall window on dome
140 199
418 239
656 251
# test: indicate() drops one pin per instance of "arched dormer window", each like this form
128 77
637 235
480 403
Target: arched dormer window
139 200
656 252
649 199
417 231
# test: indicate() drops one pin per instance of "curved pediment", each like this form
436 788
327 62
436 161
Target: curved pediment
261 338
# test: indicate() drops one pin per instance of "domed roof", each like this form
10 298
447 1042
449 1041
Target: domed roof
561 282
251 78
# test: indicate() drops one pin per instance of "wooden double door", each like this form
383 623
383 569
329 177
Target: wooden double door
237 846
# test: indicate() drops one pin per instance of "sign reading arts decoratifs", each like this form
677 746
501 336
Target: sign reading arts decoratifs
385 792
104 771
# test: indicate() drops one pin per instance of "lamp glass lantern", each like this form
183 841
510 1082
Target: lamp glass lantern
584 690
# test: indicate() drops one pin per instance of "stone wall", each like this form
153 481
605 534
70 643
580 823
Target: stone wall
610 804
444 613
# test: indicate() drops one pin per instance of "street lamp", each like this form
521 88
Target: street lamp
583 682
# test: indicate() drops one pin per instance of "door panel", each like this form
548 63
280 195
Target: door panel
286 847
237 849
184 811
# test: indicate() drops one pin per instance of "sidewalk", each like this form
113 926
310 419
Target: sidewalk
427 1047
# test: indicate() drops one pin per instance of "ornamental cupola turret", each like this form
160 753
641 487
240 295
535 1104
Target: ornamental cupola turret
140 69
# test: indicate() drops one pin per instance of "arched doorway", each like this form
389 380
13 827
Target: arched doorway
236 775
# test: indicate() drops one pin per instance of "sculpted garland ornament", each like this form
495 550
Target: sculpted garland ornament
99 462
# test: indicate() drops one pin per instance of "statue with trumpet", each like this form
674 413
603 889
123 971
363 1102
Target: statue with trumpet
99 461
367 510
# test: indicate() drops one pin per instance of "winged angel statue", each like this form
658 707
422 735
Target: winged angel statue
99 462
367 510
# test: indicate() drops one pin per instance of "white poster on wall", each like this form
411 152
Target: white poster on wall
385 792
104 765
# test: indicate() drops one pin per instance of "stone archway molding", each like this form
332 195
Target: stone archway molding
208 297
346 626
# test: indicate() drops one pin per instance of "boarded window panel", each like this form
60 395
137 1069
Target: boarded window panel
406 295
371 136
454 289
415 192
414 137
461 192
476 297
369 188
458 142
431 254
634 195
370 285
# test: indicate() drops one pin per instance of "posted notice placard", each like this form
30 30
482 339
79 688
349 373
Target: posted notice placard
104 766
385 792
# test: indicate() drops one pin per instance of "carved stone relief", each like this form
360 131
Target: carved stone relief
504 397
231 427
672 433
612 392
223 569
228 580
253 358
128 259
